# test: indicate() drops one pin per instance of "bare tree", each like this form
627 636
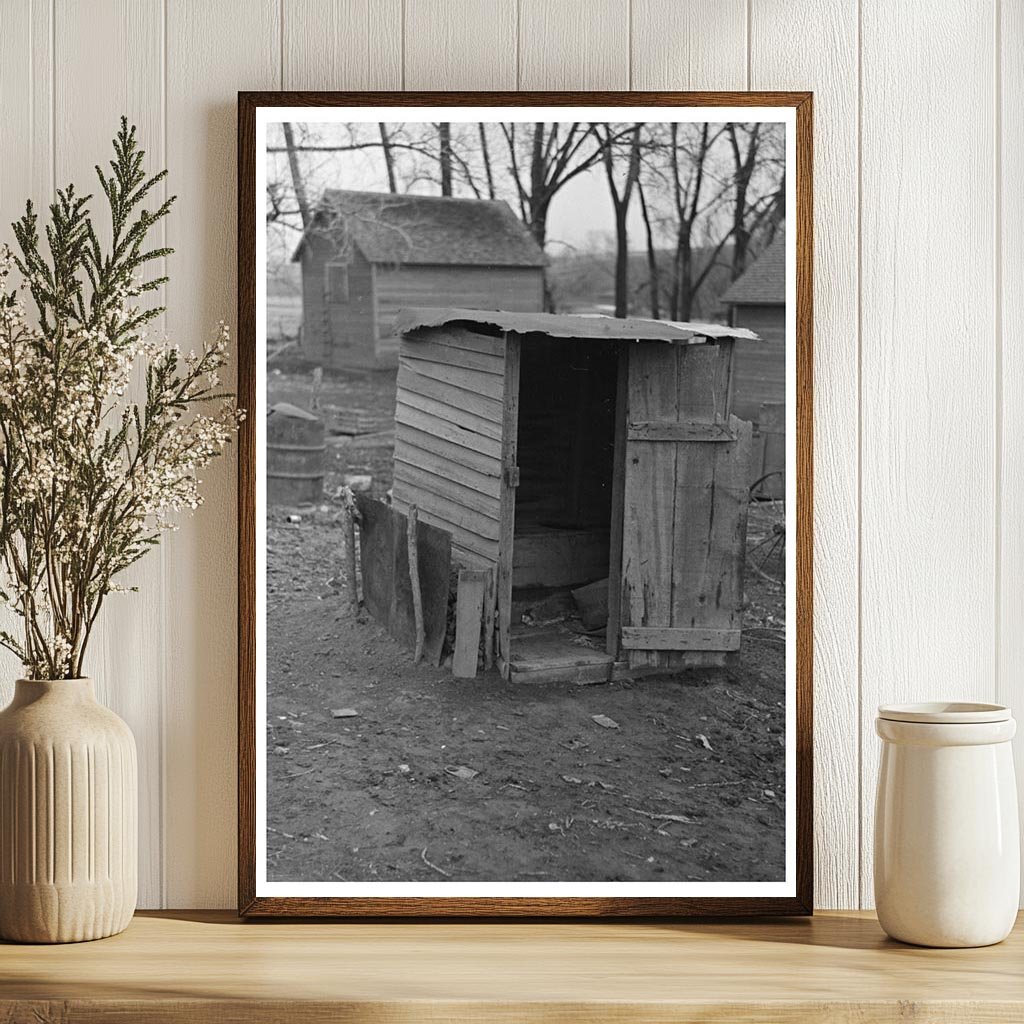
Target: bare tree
444 131
298 182
710 198
389 156
621 198
485 155
744 139
543 159
653 274
688 162
542 162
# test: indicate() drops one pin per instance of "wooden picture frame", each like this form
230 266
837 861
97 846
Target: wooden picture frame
252 903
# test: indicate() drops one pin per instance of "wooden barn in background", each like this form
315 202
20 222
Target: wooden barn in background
369 254
560 451
757 300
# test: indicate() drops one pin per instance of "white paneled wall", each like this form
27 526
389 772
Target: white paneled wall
919 294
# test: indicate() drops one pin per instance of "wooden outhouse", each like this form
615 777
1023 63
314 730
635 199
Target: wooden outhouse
561 451
367 255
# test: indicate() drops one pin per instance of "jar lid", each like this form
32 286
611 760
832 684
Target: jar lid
945 713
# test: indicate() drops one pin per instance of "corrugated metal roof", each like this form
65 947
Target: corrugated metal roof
764 281
428 230
571 325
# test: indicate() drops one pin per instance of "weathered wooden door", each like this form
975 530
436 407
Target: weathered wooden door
685 507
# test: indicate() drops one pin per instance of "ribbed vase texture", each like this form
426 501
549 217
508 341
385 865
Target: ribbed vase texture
68 815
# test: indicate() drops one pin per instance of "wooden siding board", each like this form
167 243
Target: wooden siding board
435 352
428 422
574 44
455 414
699 44
519 289
485 385
337 334
212 51
465 498
341 44
830 67
710 531
917 390
453 336
509 467
483 551
26 127
428 388
472 592
648 524
678 638
128 81
428 493
468 44
352 341
1009 680
616 525
447 458
431 443
486 483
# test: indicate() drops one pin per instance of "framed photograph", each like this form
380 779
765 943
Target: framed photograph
525 504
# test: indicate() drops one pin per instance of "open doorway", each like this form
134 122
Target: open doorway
562 540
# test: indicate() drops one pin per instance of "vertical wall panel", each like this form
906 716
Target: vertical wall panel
574 44
125 655
460 44
700 44
26 171
26 103
830 70
928 526
1010 256
342 44
213 51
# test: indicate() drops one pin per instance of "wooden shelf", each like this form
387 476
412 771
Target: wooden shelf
210 967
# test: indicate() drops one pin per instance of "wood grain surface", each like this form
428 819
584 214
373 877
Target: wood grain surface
801 902
832 73
209 967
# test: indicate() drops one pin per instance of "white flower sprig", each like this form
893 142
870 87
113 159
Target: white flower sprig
89 477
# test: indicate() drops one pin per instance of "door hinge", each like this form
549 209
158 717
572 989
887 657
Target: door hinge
512 476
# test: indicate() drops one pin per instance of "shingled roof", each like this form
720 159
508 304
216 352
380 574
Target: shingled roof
431 230
763 283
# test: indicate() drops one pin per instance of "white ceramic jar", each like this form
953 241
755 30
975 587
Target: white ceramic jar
947 847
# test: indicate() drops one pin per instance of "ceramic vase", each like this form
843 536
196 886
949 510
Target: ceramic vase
68 815
947 847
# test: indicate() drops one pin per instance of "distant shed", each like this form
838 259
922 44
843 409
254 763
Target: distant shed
561 451
368 254
757 300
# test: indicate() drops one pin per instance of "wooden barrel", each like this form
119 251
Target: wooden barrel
295 456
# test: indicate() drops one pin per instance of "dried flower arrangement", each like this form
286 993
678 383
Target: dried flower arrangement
89 477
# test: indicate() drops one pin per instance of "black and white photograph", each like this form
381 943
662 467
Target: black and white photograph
525 484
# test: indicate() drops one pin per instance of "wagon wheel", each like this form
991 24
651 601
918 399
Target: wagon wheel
766 528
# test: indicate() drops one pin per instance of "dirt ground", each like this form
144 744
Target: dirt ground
690 785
